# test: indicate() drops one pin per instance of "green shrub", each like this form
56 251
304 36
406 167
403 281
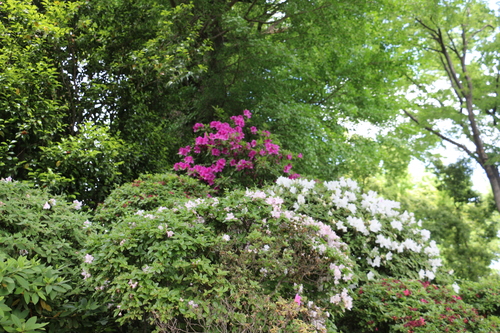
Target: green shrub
86 166
147 193
37 225
392 305
240 263
483 295
34 223
28 291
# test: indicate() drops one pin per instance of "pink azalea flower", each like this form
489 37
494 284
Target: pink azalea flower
197 126
299 155
184 151
294 176
201 141
297 299
287 168
253 129
247 114
238 120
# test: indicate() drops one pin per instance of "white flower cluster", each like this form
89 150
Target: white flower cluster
344 298
369 215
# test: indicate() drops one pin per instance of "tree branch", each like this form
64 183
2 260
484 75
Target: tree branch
439 134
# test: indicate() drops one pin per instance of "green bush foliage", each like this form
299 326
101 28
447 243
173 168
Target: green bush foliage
86 166
483 295
392 305
35 225
147 193
28 291
239 263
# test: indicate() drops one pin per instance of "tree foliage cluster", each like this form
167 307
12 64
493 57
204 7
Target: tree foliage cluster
147 71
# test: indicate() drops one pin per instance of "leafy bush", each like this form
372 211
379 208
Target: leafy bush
27 290
483 295
37 225
383 241
86 166
147 193
240 263
392 305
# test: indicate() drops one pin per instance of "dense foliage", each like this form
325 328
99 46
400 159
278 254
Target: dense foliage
102 100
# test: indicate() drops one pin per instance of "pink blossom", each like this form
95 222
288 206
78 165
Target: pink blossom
266 133
201 141
407 292
272 148
219 165
253 129
289 157
189 159
181 166
294 176
233 162
299 155
297 299
184 151
253 143
197 126
215 124
287 168
247 114
215 152
238 120
242 164
252 154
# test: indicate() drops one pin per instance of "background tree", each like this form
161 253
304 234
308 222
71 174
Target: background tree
455 82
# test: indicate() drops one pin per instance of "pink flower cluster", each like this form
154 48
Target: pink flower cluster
226 143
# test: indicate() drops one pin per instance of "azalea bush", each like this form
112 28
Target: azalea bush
483 295
28 291
35 223
41 236
384 241
237 263
412 306
228 156
148 192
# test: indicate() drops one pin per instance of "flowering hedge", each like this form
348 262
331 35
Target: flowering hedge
35 223
483 295
384 241
41 235
412 306
146 193
243 262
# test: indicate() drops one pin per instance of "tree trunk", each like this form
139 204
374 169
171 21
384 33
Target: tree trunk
494 178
